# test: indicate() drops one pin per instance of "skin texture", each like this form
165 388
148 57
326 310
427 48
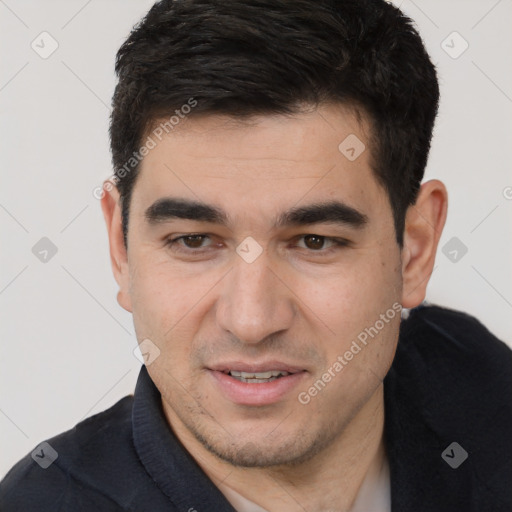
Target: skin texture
299 303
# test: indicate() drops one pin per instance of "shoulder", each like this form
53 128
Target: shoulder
449 388
74 467
451 380
449 358
454 341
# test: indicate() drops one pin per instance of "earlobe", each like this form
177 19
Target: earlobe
423 227
111 207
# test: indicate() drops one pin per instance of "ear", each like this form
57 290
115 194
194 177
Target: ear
111 206
424 224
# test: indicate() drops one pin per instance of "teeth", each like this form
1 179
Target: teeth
256 381
258 377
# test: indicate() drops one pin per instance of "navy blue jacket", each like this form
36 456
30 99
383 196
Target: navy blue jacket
450 382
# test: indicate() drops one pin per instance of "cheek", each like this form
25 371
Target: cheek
168 303
360 304
351 297
158 296
165 311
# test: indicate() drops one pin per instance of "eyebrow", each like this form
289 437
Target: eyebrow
169 208
332 212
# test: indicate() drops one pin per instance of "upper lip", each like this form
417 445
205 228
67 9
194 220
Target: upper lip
256 367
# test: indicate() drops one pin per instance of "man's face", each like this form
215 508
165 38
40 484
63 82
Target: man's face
320 268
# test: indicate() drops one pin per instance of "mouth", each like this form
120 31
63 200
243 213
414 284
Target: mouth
257 377
256 384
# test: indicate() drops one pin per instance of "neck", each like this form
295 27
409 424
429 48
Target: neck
329 481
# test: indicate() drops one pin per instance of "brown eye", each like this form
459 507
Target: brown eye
193 241
314 242
321 245
196 246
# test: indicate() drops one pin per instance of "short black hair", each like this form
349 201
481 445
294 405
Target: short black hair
262 57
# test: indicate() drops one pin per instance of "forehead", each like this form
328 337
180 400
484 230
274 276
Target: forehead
263 162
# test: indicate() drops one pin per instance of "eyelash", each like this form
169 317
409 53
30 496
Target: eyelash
337 243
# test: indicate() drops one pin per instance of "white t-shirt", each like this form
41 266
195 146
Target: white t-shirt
374 494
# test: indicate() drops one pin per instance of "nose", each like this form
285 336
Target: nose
254 303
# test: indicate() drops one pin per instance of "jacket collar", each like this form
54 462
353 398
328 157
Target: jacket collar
167 462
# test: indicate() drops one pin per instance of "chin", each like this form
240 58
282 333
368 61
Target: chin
249 451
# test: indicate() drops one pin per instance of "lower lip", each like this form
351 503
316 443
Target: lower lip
243 393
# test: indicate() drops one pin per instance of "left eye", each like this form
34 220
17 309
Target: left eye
318 242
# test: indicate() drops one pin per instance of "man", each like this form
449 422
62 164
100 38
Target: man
267 226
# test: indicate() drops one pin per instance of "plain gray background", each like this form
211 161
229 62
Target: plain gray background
66 345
